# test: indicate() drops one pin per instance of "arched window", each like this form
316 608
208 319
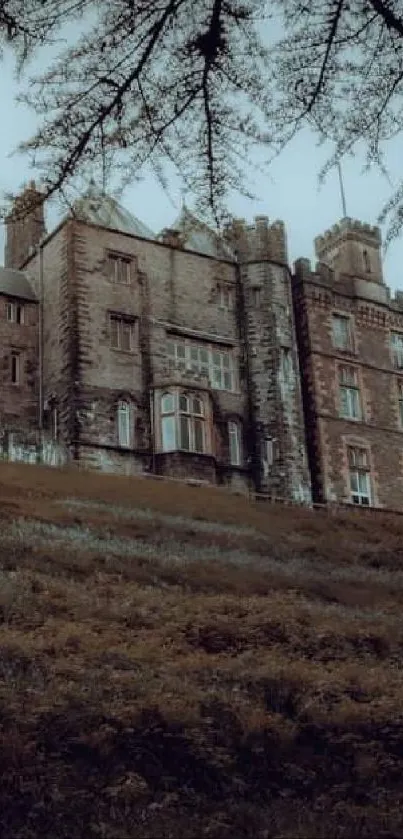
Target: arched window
182 423
235 443
367 263
124 422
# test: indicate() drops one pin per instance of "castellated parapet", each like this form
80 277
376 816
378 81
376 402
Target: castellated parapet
352 248
369 232
258 240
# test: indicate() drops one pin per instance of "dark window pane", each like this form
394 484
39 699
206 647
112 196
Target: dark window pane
198 432
183 404
184 433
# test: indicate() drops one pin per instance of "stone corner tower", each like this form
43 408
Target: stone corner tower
277 434
352 248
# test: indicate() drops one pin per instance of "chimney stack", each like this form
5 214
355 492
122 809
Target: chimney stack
25 226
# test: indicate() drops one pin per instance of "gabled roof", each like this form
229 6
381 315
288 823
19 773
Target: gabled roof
16 284
198 236
105 211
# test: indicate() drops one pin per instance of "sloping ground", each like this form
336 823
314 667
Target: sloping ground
175 662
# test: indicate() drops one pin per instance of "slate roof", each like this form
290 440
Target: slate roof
16 284
198 236
107 212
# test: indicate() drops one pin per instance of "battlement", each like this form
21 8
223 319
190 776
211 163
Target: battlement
261 239
352 248
321 273
348 227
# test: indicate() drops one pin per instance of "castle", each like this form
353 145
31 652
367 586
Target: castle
203 357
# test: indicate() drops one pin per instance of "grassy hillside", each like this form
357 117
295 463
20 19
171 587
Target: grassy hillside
176 662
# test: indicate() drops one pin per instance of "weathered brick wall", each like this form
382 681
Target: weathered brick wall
19 405
171 290
55 289
329 435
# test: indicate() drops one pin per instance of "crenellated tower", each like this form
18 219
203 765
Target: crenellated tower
276 428
352 248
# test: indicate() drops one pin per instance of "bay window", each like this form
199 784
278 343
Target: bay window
183 423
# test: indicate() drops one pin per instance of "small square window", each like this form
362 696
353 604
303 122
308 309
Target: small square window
342 334
121 333
119 269
226 297
14 312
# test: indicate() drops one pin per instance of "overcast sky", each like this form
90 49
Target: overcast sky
290 191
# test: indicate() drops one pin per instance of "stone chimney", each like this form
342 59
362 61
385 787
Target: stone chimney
172 237
25 226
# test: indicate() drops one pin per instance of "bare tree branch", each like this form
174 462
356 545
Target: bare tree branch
201 85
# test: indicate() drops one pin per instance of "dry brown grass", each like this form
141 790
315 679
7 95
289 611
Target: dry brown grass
177 662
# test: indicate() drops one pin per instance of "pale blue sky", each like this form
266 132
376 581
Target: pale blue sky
290 191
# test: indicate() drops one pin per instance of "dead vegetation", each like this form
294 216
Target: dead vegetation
177 662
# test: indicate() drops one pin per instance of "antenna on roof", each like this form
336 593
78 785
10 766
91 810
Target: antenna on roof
343 197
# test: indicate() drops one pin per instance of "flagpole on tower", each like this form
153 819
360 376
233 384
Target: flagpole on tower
343 197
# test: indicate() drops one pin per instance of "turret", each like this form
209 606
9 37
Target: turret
25 226
352 248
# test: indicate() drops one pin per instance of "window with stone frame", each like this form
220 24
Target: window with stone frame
235 443
121 332
226 296
349 393
15 311
15 368
120 268
214 362
255 296
183 422
125 424
359 476
396 347
366 260
342 332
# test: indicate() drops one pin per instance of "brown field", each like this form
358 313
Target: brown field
177 663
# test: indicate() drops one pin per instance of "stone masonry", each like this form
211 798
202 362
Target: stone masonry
203 357
277 433
195 356
354 433
135 325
